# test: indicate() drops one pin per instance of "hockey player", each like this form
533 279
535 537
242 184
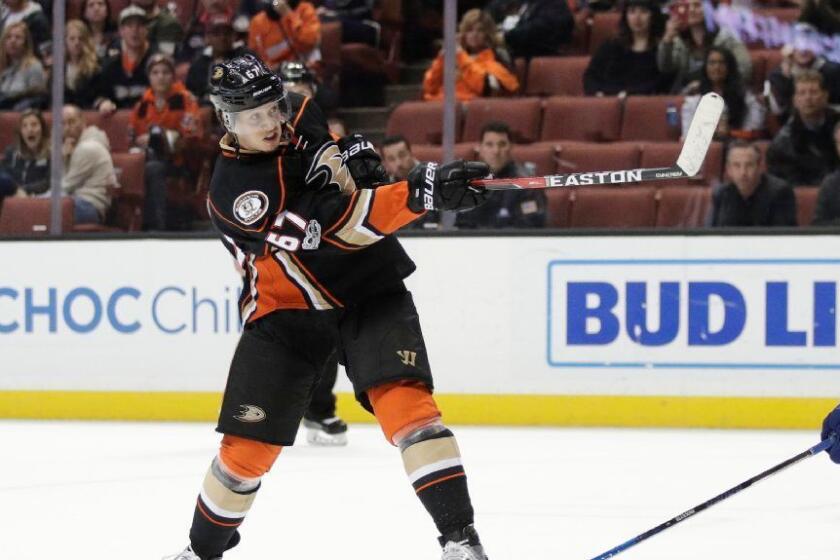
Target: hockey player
831 425
322 274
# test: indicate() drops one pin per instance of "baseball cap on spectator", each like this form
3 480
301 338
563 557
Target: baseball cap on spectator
160 58
130 12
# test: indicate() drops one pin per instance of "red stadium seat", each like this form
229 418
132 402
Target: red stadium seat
8 128
556 75
32 216
331 48
665 154
683 207
645 118
580 157
118 129
806 203
759 71
421 122
784 15
558 208
542 155
604 27
588 119
434 152
127 204
522 115
520 69
613 207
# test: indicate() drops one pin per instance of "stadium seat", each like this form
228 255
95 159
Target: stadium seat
645 118
806 203
683 207
558 207
331 48
8 128
520 70
118 129
784 15
604 26
421 122
664 154
773 59
759 71
434 152
617 206
32 216
542 155
128 199
580 35
521 114
556 75
588 119
579 157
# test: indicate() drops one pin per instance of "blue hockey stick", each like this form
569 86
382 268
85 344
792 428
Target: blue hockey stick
819 448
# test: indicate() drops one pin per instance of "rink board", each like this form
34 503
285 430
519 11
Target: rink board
737 331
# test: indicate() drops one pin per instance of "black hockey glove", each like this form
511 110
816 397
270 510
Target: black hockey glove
446 187
361 159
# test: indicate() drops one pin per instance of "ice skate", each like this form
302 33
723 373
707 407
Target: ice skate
462 545
327 432
188 554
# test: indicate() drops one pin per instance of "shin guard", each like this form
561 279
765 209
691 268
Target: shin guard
227 493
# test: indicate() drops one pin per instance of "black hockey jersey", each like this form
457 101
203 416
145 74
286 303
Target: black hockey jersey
303 235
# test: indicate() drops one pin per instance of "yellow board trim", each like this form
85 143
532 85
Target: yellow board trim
496 410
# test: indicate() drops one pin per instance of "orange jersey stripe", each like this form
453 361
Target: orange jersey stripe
389 211
275 290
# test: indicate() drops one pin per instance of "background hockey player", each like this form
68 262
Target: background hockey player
322 274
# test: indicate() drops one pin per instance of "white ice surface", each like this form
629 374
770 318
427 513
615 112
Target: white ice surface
74 490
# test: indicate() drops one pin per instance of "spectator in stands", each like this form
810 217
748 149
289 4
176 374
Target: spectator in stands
124 73
31 14
751 198
164 29
219 41
627 64
397 157
356 17
483 66
82 69
286 30
803 151
23 81
297 78
97 16
163 123
743 114
682 50
399 161
827 211
26 163
88 168
824 15
797 57
537 27
209 15
503 209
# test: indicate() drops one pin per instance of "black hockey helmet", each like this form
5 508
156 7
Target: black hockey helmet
243 83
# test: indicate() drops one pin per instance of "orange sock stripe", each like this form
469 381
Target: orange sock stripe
246 458
438 481
399 404
213 521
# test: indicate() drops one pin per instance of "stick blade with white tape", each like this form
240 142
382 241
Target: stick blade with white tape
700 133
699 137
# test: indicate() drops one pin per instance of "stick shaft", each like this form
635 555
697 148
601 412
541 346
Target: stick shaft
616 177
822 446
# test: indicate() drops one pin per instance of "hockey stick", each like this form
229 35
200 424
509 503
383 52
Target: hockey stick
697 142
820 447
